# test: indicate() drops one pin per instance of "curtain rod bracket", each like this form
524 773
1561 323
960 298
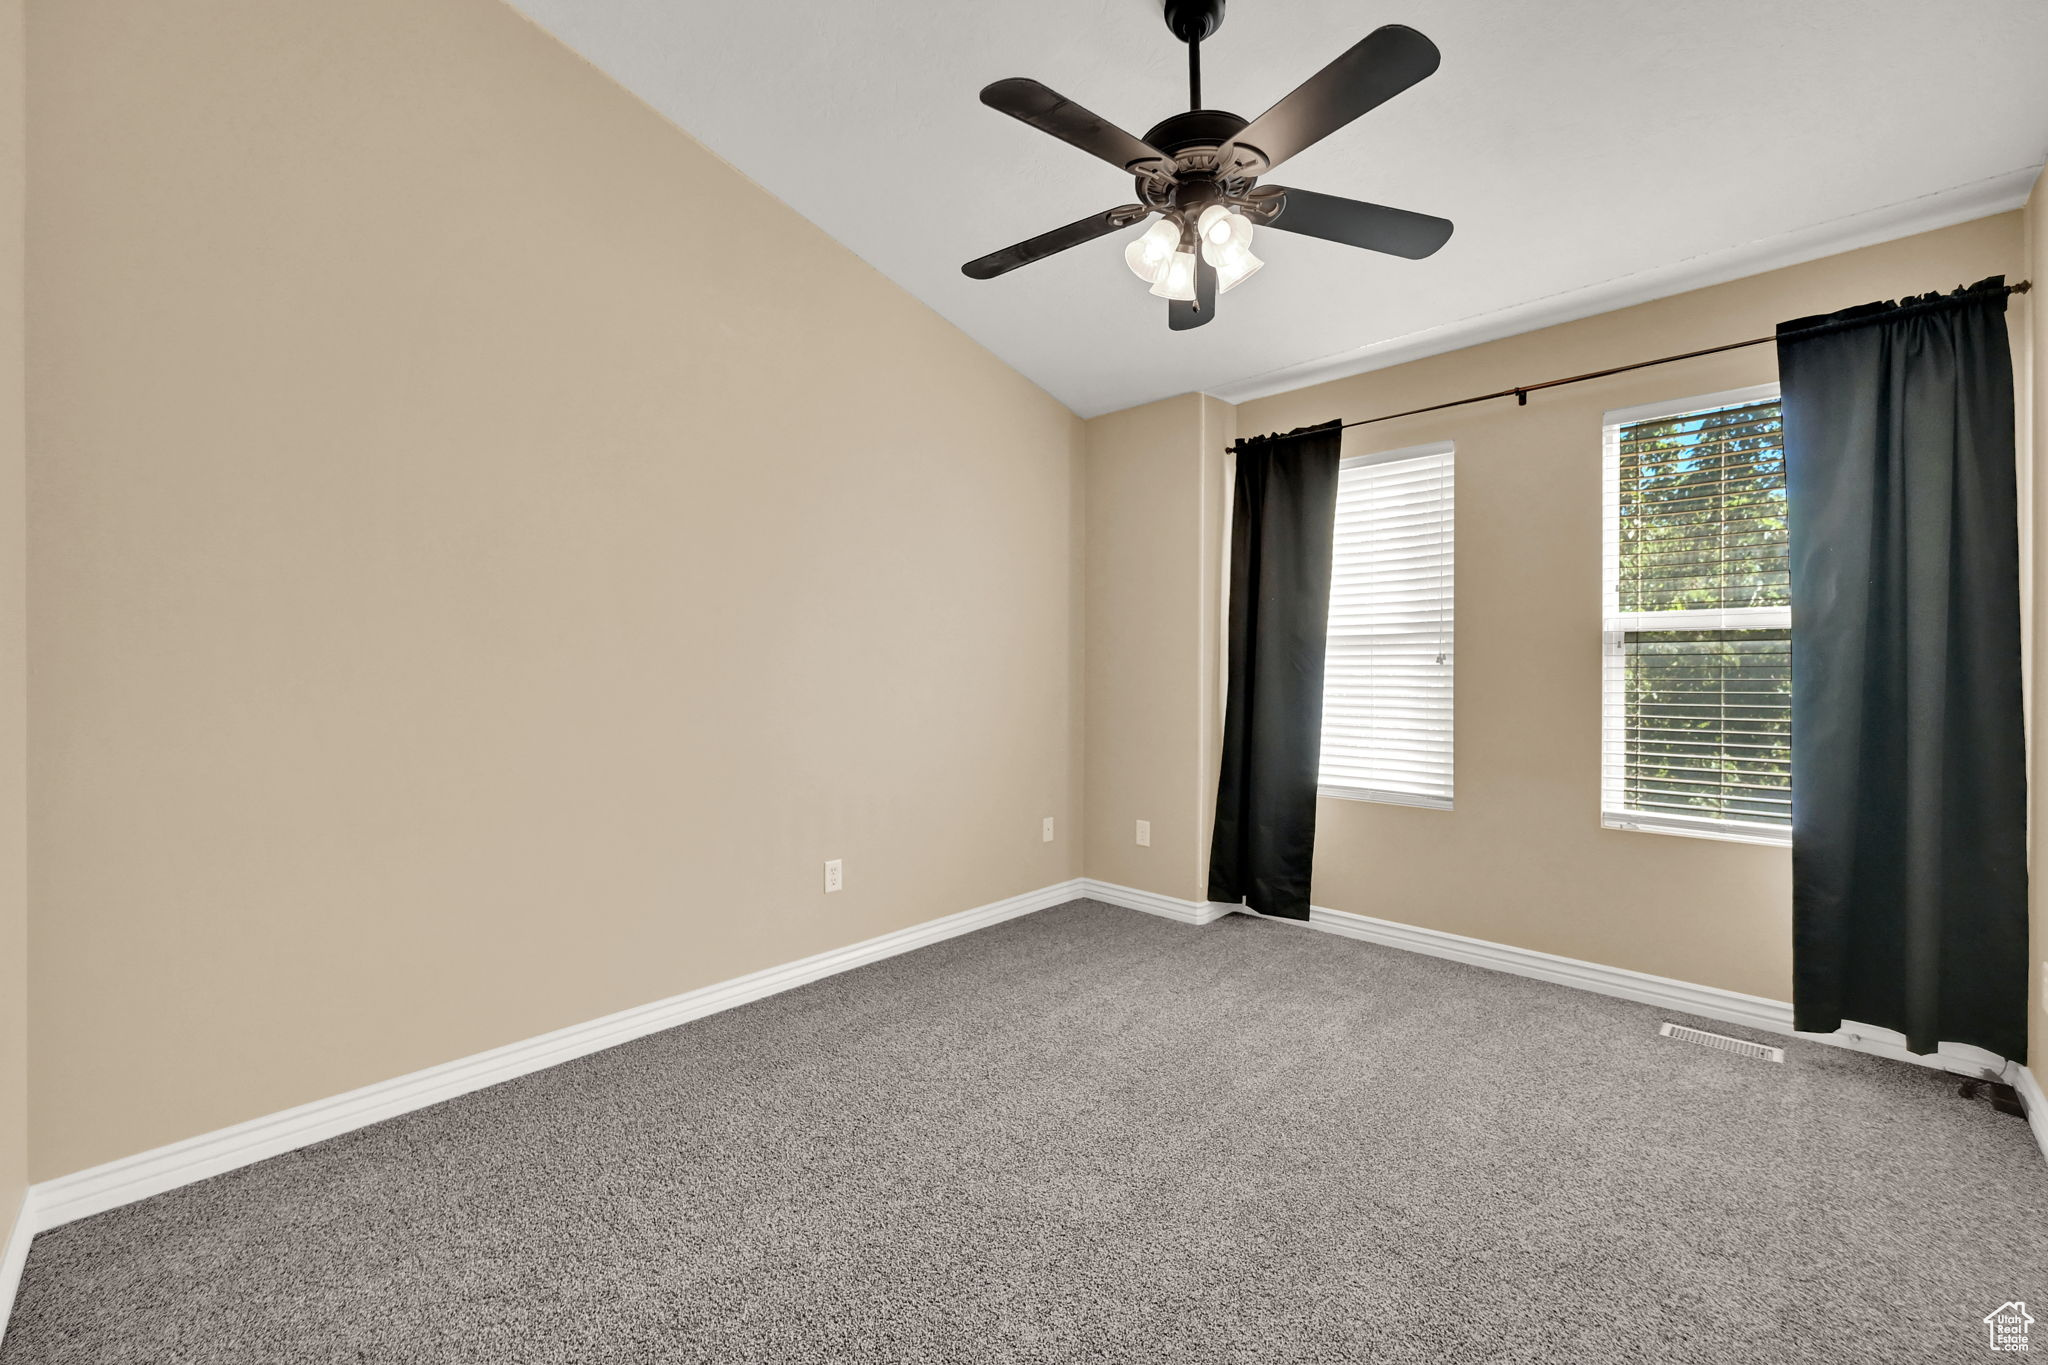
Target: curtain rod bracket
1521 398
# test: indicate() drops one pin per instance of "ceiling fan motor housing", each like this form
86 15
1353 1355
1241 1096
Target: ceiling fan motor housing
1195 128
1192 139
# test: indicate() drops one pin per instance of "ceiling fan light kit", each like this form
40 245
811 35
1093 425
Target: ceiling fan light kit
1199 171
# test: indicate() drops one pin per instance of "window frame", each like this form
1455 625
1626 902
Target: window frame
1615 624
1380 795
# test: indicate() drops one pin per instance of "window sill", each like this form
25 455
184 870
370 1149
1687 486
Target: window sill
1383 798
1768 835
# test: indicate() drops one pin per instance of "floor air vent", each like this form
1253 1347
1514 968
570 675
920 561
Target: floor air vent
1721 1042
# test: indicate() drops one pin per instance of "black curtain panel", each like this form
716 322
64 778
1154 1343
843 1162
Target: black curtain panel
1908 762
1281 536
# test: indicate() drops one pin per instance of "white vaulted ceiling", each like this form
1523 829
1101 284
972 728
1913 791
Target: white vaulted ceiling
1593 153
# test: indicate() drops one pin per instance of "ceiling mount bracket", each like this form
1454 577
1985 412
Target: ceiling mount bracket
1193 20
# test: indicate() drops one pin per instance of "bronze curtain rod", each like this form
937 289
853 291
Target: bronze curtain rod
1521 392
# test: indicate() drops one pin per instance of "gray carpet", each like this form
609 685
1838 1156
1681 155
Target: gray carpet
1094 1135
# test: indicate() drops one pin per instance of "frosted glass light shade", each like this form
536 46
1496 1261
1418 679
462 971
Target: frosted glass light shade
1221 231
1233 268
1227 245
1178 280
1152 251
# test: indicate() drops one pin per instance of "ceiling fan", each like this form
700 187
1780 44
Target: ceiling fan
1199 171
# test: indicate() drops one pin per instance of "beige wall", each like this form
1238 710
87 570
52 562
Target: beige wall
487 555
2031 358
13 635
1154 484
1523 858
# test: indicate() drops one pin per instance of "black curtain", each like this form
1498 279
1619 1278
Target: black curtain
1281 537
1908 762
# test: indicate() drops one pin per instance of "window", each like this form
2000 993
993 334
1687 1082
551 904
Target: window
1387 678
1698 625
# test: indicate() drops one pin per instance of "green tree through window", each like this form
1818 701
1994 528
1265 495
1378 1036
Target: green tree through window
1699 676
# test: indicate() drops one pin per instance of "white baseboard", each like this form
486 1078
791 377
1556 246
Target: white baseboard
1154 903
1711 1002
2022 1079
58 1201
16 1256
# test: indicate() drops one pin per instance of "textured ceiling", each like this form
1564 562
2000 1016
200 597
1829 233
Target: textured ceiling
1593 153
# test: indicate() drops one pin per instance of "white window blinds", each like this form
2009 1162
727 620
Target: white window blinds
1387 675
1698 655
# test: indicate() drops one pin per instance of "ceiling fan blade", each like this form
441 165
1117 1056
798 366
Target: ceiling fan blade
1383 64
1049 111
1355 223
1047 243
1181 315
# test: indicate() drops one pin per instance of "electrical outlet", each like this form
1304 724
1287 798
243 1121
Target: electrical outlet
834 878
1047 835
1145 833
